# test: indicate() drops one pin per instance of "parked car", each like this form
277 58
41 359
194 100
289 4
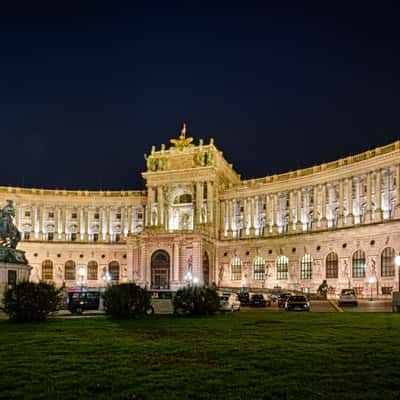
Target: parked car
282 299
297 303
229 302
347 297
244 298
83 301
258 300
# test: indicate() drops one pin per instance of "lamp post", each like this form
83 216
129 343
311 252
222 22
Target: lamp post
188 278
81 281
371 281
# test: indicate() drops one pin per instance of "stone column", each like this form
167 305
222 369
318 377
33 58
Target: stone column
108 223
123 224
230 232
267 215
101 221
275 213
340 211
199 202
315 221
64 223
160 206
17 215
252 227
210 202
222 226
244 231
56 223
397 209
368 207
350 215
299 225
291 213
129 228
378 196
323 207
41 217
149 206
36 221
176 263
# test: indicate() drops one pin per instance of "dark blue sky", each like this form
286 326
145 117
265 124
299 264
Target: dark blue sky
85 90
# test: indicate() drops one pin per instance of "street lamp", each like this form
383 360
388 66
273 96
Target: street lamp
81 281
371 281
107 277
188 278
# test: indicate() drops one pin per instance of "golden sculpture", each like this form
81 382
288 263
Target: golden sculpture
182 141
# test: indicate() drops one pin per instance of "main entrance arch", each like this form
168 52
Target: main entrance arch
160 267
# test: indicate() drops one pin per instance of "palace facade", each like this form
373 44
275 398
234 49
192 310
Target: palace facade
198 220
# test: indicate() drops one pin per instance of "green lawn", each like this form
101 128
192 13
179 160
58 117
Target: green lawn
233 356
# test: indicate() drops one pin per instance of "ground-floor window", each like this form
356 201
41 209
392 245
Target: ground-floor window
282 266
113 269
306 267
70 271
359 268
92 271
236 269
160 266
387 262
332 269
259 268
47 270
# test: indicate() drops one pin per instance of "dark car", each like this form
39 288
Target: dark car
282 299
82 301
244 298
297 303
257 300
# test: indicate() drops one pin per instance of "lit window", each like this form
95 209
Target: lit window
92 271
359 268
306 267
387 262
259 269
236 269
331 264
282 265
70 271
47 270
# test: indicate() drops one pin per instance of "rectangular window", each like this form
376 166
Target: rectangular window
51 214
96 215
27 213
118 216
95 237
73 237
117 237
50 236
27 235
74 215
387 289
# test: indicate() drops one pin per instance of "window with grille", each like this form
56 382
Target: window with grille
306 267
387 262
359 264
282 266
113 269
259 269
332 263
236 269
47 270
70 271
92 271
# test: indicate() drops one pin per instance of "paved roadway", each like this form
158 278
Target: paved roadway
315 306
370 306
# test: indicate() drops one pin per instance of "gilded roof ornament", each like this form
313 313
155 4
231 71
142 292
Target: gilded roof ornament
182 141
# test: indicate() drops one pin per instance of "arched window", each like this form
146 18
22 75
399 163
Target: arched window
70 271
331 265
47 270
236 269
259 268
92 274
113 269
306 267
282 266
359 264
387 262
183 198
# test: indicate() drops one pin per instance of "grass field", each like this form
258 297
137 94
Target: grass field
232 356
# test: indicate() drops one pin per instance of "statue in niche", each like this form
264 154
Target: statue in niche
9 234
185 221
203 215
190 264
220 273
372 266
154 217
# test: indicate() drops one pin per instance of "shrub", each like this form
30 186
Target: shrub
126 300
30 301
196 300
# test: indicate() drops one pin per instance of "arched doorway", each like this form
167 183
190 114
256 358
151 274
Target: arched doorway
206 269
160 265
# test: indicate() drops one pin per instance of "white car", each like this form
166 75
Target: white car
347 296
229 302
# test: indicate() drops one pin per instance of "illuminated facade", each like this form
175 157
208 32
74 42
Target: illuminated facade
338 221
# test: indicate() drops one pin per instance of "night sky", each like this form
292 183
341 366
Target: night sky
87 87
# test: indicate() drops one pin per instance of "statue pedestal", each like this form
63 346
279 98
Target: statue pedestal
12 273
